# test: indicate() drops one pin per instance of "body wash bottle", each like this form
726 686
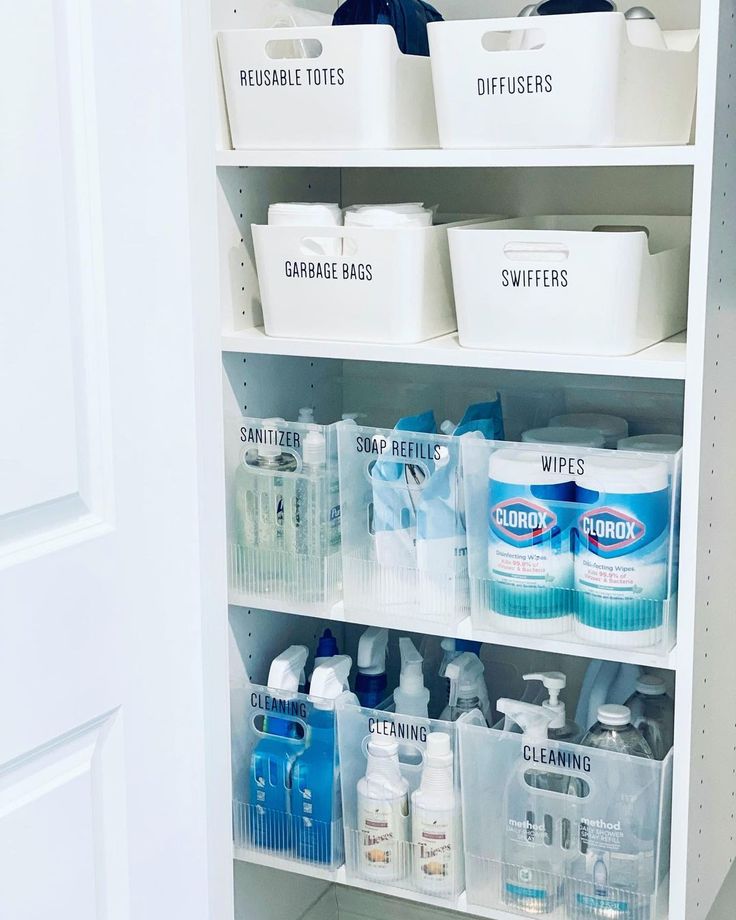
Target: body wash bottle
383 813
435 823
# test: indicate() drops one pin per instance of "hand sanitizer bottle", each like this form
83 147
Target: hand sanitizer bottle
315 790
465 674
536 824
560 728
653 714
371 681
383 812
272 760
435 822
317 501
411 697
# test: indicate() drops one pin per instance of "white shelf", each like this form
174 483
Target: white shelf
465 630
664 361
540 157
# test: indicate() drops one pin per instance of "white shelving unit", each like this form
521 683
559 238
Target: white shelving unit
265 376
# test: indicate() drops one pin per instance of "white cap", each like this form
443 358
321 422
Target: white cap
372 650
533 720
651 685
613 715
554 681
439 752
412 677
577 437
522 468
304 214
654 443
447 427
286 669
314 451
624 474
306 414
270 446
610 426
382 745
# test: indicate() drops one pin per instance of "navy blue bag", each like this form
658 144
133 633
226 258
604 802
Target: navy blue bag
409 19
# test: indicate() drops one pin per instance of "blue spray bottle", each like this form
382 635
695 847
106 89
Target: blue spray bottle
315 790
371 682
272 760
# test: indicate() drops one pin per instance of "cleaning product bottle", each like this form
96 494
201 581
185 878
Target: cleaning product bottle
383 812
653 714
371 681
272 760
435 822
451 649
326 648
535 832
411 697
315 791
614 732
560 728
465 674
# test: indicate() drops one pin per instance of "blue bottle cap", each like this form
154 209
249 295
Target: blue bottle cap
327 645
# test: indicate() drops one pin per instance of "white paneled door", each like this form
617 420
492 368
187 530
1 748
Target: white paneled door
108 453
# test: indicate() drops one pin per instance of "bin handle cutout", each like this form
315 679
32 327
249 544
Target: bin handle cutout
530 39
293 48
536 252
323 247
622 228
577 788
413 477
260 725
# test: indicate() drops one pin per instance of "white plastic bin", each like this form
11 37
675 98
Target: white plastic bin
387 848
583 285
573 542
561 830
355 90
560 81
403 534
389 285
283 526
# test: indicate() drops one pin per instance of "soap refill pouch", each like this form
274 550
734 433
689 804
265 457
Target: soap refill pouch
285 791
572 540
401 803
404 542
284 504
556 829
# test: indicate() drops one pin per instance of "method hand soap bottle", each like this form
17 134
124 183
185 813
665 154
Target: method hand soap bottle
272 760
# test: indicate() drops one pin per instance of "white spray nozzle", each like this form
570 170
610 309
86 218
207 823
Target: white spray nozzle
315 450
554 681
287 668
532 720
464 673
330 680
372 650
412 675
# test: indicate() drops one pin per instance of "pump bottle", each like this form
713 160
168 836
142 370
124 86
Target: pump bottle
465 674
535 832
560 728
272 760
411 697
371 681
435 822
315 790
317 500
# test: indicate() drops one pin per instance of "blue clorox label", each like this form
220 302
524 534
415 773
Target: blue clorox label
522 522
610 532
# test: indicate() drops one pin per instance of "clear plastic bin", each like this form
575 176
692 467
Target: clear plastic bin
573 541
527 82
403 530
390 846
284 521
563 831
571 284
276 808
325 87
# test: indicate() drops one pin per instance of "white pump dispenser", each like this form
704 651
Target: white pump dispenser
330 682
465 674
286 669
411 697
560 728
306 414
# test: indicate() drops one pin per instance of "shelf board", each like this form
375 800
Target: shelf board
664 361
497 158
465 630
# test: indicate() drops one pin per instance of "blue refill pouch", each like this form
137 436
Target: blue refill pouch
486 418
408 19
396 490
